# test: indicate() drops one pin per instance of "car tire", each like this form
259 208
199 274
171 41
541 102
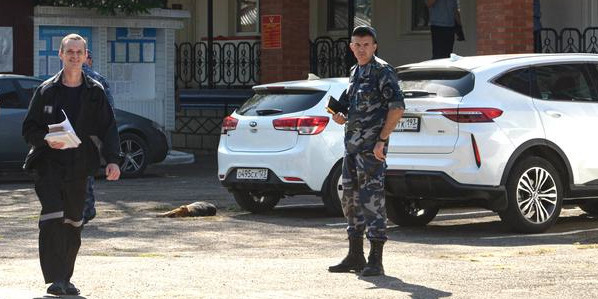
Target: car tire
254 202
334 192
135 152
404 212
525 196
589 206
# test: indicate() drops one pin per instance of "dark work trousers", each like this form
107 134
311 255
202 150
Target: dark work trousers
62 197
443 39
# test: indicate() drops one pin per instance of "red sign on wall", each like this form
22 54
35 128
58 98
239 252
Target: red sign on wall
271 32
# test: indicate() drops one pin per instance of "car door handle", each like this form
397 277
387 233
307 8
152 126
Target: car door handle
553 113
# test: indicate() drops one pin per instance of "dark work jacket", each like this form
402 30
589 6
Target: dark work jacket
96 118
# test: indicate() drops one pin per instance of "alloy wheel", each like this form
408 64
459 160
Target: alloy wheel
134 155
536 195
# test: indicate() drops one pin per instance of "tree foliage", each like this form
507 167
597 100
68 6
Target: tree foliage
108 7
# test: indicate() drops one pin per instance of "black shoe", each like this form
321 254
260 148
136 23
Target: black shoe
71 289
57 288
87 218
374 266
354 261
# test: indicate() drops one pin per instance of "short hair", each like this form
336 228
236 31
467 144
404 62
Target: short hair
72 36
364 30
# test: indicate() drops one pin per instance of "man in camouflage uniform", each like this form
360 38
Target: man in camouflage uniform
375 106
90 201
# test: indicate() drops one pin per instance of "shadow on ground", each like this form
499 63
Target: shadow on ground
395 284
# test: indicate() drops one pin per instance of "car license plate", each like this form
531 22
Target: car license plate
408 124
252 174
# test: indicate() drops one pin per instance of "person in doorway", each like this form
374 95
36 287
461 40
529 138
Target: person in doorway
61 173
375 106
89 211
444 16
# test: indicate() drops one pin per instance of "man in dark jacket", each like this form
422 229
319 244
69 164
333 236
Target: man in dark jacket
61 171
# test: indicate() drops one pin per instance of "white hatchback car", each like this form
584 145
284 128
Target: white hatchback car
511 133
281 142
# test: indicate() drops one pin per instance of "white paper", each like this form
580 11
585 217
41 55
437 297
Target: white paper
41 45
120 52
63 132
6 49
134 52
56 40
53 64
43 66
148 52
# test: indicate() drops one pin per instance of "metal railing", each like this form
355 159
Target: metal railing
568 40
236 64
330 58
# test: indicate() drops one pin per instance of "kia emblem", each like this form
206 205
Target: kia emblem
253 124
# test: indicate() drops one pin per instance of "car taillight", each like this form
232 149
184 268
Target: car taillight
229 123
470 115
305 125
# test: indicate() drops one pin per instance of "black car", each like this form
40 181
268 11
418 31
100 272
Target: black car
142 141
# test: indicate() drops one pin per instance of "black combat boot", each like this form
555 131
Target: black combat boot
354 261
374 266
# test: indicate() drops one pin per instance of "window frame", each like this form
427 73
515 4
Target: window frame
15 90
237 22
412 17
330 13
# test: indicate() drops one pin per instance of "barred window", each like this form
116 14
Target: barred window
419 16
248 16
338 13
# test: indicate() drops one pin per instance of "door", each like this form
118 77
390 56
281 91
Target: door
567 102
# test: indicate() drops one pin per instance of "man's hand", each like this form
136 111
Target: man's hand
55 144
112 172
379 151
339 118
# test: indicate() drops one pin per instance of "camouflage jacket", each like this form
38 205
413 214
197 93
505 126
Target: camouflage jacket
96 76
372 91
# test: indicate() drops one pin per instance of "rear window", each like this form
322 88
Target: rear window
517 80
443 83
269 102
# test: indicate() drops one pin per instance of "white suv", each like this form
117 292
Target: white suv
281 142
511 133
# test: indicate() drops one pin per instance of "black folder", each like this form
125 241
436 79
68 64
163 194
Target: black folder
334 105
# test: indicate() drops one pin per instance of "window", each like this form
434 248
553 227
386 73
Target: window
338 13
517 80
247 16
8 95
434 82
280 102
564 82
28 88
420 16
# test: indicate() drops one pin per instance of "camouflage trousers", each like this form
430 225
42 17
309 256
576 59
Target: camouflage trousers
363 196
